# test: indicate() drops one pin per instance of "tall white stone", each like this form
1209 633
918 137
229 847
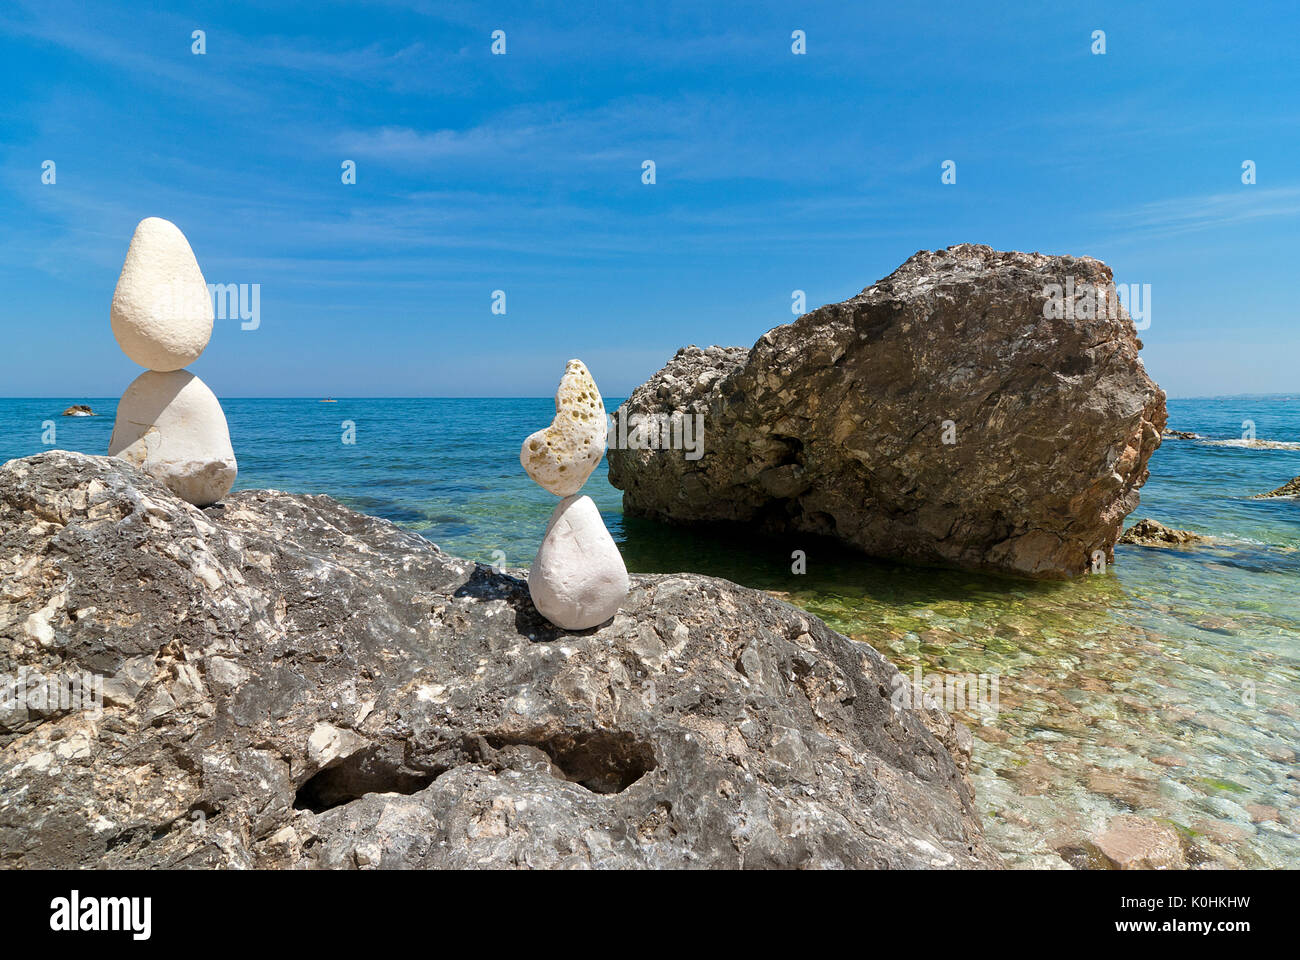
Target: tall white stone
562 456
171 425
162 314
578 579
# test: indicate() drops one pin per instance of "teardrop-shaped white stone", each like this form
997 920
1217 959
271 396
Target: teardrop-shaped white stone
162 314
578 578
172 426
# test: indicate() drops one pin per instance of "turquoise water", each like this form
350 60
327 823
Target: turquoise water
1167 686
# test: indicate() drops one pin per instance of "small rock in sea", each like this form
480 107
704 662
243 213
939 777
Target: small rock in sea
578 579
1221 832
171 426
562 456
1260 813
1278 753
1149 533
1133 792
78 410
1289 489
1136 843
162 313
1180 434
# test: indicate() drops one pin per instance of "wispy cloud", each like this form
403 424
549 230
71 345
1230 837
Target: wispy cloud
1187 214
405 146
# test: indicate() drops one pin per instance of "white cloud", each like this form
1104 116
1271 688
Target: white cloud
1186 214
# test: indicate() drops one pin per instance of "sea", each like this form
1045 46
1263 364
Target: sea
1166 686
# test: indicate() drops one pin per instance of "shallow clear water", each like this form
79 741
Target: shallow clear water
1169 685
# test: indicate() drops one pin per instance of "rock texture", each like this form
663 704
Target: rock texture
1289 489
1150 533
562 456
293 684
578 578
172 425
945 414
162 314
78 410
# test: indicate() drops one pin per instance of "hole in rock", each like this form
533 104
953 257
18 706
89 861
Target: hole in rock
367 771
603 761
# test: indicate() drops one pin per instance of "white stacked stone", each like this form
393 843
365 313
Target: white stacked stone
168 422
578 579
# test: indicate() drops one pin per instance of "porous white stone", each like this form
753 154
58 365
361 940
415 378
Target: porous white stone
162 314
171 425
562 456
578 578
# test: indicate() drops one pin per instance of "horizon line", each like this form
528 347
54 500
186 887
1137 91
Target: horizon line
319 399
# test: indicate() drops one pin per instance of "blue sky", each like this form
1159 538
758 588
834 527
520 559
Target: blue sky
522 172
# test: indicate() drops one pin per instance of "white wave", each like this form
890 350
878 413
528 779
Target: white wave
1254 444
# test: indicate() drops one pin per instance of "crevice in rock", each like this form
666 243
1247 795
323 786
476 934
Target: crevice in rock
371 770
603 761
792 455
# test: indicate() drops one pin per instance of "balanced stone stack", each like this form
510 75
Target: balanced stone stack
578 579
168 422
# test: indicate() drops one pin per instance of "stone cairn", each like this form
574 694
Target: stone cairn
168 422
578 579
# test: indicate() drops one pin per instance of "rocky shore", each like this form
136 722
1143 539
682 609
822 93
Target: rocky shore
287 683
1289 489
975 408
1152 533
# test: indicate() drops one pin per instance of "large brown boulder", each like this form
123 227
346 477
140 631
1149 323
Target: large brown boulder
969 409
